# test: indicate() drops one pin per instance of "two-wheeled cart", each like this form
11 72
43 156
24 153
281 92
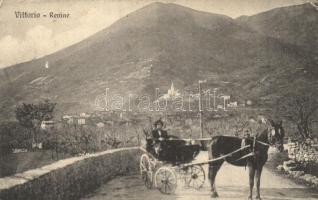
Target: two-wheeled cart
170 162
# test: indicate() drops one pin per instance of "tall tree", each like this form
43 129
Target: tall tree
300 108
32 115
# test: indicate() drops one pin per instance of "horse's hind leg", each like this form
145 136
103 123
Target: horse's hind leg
213 170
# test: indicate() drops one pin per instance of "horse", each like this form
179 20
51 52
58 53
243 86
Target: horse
254 157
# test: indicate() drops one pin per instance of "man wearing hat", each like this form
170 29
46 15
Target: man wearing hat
158 132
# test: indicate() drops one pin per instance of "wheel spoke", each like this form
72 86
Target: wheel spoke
170 188
166 180
172 179
146 170
195 177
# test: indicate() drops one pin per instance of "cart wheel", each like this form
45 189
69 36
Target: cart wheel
195 177
165 180
146 170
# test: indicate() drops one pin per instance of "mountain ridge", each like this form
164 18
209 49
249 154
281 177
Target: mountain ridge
153 46
287 24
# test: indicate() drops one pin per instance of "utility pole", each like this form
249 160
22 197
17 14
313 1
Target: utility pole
214 98
200 108
224 100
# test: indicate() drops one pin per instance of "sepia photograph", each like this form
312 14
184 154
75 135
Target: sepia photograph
158 99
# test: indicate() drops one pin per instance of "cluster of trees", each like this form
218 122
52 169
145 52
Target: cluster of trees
21 135
300 108
62 138
12 135
72 139
31 116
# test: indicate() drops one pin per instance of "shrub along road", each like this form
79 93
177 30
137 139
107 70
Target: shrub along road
231 182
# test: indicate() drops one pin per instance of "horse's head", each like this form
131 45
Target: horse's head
276 135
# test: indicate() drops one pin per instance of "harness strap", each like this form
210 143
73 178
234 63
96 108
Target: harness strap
216 159
268 138
246 156
263 143
254 142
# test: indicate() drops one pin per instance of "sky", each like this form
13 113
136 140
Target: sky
26 39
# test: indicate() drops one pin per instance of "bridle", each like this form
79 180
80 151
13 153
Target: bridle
270 137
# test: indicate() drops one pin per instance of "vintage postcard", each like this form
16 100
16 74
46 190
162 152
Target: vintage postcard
158 99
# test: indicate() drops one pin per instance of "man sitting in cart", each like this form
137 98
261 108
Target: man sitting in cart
158 132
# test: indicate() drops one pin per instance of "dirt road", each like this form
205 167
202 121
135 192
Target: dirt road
232 183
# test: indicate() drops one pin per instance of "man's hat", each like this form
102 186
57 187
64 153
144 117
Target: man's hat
158 122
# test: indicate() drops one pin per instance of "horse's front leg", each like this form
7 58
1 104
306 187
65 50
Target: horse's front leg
251 168
258 182
213 170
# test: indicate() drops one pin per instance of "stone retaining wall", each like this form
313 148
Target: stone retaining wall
303 161
294 170
303 152
70 178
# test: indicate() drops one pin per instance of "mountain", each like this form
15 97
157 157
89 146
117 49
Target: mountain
153 46
295 25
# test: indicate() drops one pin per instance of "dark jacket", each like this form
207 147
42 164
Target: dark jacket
157 134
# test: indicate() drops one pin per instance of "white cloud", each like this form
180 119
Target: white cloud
9 48
37 42
40 40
